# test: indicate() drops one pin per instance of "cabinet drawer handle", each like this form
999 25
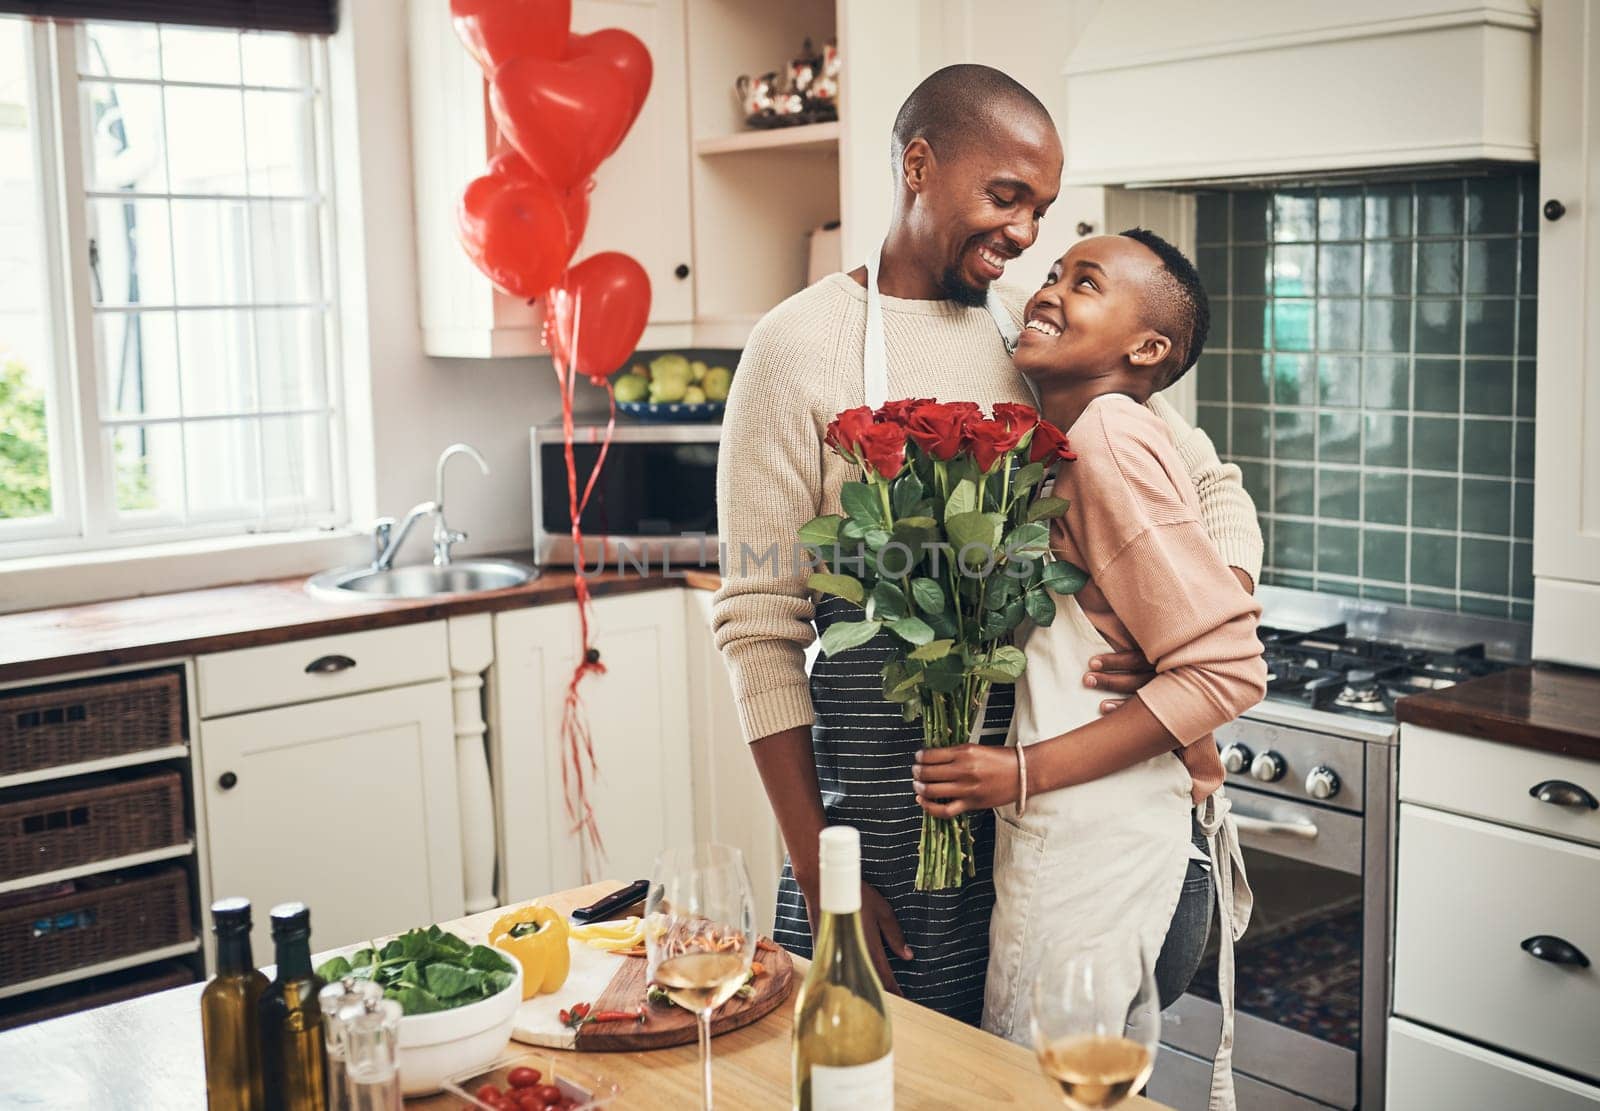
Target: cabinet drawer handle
1555 950
227 780
1558 792
681 271
329 665
1554 210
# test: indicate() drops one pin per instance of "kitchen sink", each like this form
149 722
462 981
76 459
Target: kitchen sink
468 576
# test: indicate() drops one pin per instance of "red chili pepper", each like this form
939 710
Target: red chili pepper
618 1016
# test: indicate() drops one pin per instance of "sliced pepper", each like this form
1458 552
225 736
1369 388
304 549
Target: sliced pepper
613 937
536 938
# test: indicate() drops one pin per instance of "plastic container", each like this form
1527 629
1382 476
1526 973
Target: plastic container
592 1090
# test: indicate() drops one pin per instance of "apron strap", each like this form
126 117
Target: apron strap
1234 903
875 357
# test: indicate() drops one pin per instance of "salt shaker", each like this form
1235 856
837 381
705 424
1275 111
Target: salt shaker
372 1076
339 1000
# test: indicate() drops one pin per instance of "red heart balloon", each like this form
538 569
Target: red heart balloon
515 230
575 205
627 55
562 117
603 305
495 31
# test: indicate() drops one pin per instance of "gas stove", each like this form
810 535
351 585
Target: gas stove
1329 669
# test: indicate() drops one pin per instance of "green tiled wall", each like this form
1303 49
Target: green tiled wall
1371 371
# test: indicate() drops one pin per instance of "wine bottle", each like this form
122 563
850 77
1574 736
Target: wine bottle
293 1057
229 1014
843 1047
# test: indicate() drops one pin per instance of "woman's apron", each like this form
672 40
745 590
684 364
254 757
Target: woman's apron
1100 865
864 750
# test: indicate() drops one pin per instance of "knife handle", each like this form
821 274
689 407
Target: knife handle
608 906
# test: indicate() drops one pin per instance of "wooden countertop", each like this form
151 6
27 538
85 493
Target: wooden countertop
44 643
1554 709
147 1053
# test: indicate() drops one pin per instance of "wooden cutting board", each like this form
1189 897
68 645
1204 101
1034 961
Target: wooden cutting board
610 982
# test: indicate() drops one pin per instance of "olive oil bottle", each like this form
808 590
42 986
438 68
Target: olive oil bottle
230 1014
293 1056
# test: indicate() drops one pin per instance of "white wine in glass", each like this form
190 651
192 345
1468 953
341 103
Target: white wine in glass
1096 1024
700 932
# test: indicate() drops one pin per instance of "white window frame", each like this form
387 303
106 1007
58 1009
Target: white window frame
84 517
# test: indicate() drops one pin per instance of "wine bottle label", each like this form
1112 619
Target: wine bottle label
855 1087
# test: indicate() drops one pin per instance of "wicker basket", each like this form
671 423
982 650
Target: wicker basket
90 720
47 830
110 916
85 995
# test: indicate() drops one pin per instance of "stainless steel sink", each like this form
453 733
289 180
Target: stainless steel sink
468 576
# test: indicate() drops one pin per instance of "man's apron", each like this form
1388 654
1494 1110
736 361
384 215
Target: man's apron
1100 865
864 750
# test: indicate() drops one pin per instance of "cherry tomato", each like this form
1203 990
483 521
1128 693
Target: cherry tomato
523 1077
549 1093
528 1100
488 1093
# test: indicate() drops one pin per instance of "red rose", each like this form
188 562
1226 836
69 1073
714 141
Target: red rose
990 440
941 430
1020 417
1049 444
845 431
883 449
897 412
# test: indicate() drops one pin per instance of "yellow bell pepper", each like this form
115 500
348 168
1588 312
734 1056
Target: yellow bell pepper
536 937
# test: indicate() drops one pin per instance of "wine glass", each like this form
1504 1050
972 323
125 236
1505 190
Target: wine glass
1096 1022
700 931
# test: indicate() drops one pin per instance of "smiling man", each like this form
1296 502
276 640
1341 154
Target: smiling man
977 164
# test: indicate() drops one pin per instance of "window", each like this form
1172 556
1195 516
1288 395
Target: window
166 286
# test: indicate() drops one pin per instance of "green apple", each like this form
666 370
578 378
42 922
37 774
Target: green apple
631 387
716 383
694 395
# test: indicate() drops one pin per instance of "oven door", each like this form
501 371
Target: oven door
1298 969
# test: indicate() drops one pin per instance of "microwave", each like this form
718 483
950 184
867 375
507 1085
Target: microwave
655 503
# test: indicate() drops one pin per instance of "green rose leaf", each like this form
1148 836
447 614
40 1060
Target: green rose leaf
912 630
1063 577
1005 665
905 493
997 625
861 502
821 531
944 675
933 650
963 499
888 603
916 533
928 595
843 635
877 538
1027 540
981 529
1026 478
1041 606
852 529
1045 509
842 586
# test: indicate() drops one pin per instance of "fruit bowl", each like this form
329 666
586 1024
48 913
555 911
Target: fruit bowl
672 412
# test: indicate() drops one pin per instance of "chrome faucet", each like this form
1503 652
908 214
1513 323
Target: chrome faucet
388 540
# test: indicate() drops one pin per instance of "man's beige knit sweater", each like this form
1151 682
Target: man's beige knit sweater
802 365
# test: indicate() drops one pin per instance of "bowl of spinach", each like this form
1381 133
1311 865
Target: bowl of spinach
459 1000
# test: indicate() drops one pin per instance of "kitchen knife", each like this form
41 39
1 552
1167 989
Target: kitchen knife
612 904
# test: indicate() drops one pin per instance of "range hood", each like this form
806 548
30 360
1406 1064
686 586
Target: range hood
1173 92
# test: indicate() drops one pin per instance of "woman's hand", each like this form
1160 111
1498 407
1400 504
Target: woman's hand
963 778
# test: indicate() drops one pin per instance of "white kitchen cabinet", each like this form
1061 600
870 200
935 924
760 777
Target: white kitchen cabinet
1566 497
730 803
638 716
346 804
640 204
1429 1070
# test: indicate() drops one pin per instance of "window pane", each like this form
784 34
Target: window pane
197 54
295 457
214 350
127 148
211 252
131 252
137 353
122 50
224 470
278 133
289 346
283 246
25 368
275 59
205 139
148 474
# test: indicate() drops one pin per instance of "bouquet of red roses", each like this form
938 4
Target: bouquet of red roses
942 543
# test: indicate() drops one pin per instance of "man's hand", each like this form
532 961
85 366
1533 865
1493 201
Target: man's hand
962 778
879 925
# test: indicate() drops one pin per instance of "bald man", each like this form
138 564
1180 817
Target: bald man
977 163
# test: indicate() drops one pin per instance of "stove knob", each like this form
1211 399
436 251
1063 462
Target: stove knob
1236 757
1322 782
1268 767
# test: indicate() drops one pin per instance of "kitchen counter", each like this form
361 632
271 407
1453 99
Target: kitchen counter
44 643
146 1053
1554 709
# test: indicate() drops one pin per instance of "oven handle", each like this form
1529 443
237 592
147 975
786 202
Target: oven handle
1301 828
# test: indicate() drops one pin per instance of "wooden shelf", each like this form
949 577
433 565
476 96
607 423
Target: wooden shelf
127 760
171 852
804 137
181 949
